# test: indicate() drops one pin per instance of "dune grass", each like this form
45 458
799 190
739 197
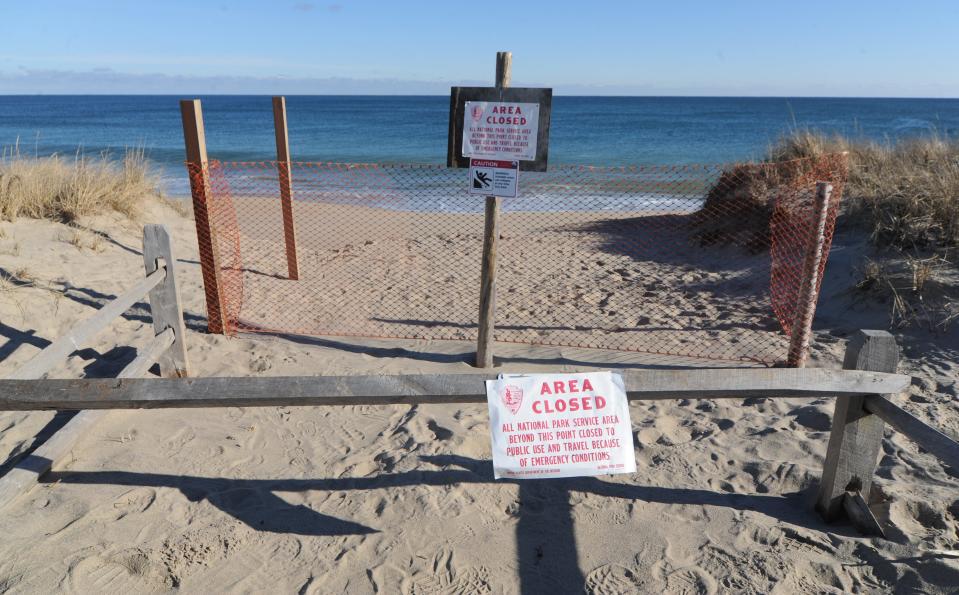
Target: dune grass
67 188
906 193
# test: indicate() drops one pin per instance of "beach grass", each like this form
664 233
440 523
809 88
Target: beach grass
906 193
67 188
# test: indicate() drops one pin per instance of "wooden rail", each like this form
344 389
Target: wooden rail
853 449
420 389
918 431
167 348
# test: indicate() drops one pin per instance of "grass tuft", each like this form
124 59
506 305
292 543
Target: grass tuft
65 189
906 193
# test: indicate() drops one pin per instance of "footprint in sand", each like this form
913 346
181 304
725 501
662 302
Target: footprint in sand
131 502
172 446
691 580
445 577
127 571
468 580
613 579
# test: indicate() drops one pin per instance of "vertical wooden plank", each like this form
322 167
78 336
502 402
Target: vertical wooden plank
809 286
504 69
285 174
165 304
487 305
856 436
487 301
197 167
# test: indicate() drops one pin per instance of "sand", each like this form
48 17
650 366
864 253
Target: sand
401 499
629 281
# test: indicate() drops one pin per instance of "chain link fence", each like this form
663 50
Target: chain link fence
699 261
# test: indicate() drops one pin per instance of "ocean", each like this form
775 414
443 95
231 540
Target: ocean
412 129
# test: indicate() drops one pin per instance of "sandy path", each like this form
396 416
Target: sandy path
626 281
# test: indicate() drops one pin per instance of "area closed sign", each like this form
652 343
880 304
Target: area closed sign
500 130
493 177
560 425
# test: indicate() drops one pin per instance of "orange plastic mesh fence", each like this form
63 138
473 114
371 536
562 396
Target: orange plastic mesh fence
698 261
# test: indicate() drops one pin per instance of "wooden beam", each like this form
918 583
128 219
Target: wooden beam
25 474
285 175
504 70
809 285
60 349
916 430
861 517
487 301
856 436
419 389
194 138
151 354
165 300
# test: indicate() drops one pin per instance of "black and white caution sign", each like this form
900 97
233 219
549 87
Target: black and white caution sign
491 177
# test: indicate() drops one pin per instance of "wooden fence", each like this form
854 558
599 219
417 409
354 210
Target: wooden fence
862 390
168 349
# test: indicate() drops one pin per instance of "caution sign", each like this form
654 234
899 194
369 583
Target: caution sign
500 129
560 425
491 177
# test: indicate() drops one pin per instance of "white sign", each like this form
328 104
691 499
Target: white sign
500 130
491 177
560 425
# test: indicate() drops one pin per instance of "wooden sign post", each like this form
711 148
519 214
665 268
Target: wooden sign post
285 174
197 168
474 135
487 302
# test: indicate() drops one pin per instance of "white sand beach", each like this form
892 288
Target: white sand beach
402 499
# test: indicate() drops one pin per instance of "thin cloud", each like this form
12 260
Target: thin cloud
107 81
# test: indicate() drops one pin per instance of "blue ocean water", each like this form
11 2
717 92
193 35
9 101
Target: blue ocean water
397 129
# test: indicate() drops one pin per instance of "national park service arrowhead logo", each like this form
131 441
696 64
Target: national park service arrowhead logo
512 397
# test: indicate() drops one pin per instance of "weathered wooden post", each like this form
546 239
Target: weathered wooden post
285 174
487 302
197 168
809 285
165 301
856 437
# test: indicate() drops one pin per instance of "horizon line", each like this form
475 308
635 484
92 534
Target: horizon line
613 96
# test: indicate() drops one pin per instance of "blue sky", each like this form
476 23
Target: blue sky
730 47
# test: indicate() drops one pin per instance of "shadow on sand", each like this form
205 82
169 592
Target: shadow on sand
546 541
